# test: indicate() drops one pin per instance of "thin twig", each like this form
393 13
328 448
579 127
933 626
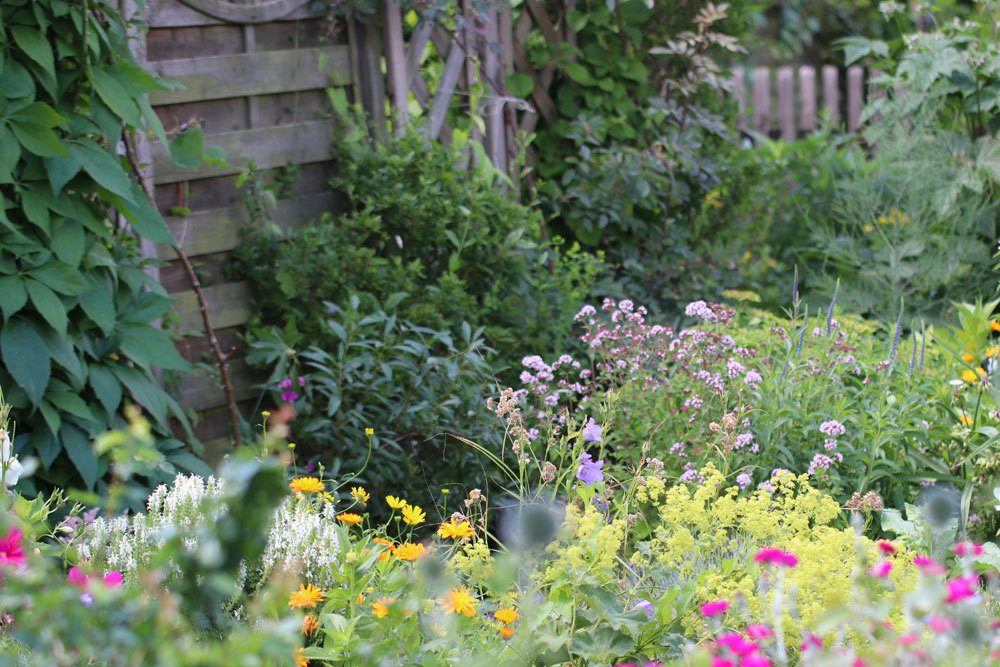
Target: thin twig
220 357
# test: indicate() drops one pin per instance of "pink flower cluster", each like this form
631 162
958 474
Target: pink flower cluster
81 580
288 394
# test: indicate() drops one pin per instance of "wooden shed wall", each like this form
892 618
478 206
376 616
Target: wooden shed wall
258 91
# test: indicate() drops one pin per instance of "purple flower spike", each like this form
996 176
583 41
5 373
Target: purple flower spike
592 431
289 396
590 472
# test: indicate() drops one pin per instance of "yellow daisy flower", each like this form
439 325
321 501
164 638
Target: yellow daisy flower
300 660
455 530
506 616
413 515
306 597
360 495
380 608
349 518
410 551
395 503
459 601
306 485
965 419
968 358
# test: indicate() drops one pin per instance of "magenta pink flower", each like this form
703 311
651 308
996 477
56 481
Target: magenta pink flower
909 639
928 566
811 641
12 549
113 579
772 556
886 547
722 662
759 632
963 549
880 570
737 644
76 577
755 661
961 588
710 609
940 624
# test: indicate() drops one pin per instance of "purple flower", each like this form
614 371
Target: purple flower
590 472
285 384
591 431
743 480
302 381
646 606
87 599
289 396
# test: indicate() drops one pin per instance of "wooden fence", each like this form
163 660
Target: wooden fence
255 74
783 102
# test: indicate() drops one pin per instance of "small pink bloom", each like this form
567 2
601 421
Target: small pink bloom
858 662
886 547
963 549
737 644
12 549
811 641
710 609
772 556
759 632
302 381
722 662
940 624
76 577
961 588
113 579
928 566
881 570
755 661
289 396
285 384
909 639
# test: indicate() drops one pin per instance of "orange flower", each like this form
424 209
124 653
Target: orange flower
309 625
306 485
506 632
995 326
992 351
459 601
455 530
968 358
966 420
349 518
300 661
384 542
506 616
306 597
410 551
360 599
380 608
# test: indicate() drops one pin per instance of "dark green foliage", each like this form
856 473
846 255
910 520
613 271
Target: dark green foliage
76 305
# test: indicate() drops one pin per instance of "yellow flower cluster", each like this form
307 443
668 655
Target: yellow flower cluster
590 543
474 561
894 217
698 526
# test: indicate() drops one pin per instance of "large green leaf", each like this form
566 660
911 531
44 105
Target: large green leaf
99 305
64 354
69 242
116 97
145 393
27 358
150 347
13 295
10 153
60 278
39 113
38 139
61 170
102 167
143 216
36 46
81 452
49 306
107 387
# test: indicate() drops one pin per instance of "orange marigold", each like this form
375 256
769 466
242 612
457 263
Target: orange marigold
300 660
306 485
380 608
349 518
309 625
459 601
507 616
456 530
306 597
506 632
410 551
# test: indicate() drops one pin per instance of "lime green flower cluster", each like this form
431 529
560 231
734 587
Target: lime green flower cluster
710 534
590 544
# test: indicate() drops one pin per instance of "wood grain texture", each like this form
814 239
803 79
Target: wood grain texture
241 75
807 98
266 147
228 304
786 103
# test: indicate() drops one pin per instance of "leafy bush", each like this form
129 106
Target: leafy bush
462 250
414 387
77 307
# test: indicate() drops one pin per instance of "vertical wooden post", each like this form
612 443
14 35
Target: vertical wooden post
807 98
739 84
470 39
762 100
395 62
506 26
855 96
495 144
786 103
831 93
366 61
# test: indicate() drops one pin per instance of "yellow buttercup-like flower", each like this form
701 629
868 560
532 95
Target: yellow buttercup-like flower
459 601
369 431
306 597
300 660
380 608
995 326
507 616
413 515
968 358
360 495
395 503
410 551
349 518
306 485
992 351
456 530
970 375
966 420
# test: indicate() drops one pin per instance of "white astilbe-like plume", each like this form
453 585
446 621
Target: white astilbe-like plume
301 539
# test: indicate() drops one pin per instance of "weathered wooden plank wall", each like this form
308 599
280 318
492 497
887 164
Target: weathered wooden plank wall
255 76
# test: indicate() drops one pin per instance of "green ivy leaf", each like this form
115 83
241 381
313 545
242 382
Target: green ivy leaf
187 148
51 416
579 73
519 84
81 452
16 82
39 113
146 394
61 171
49 306
62 353
117 99
102 167
150 347
144 218
99 305
69 242
60 278
10 153
36 46
13 295
26 356
38 139
107 387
